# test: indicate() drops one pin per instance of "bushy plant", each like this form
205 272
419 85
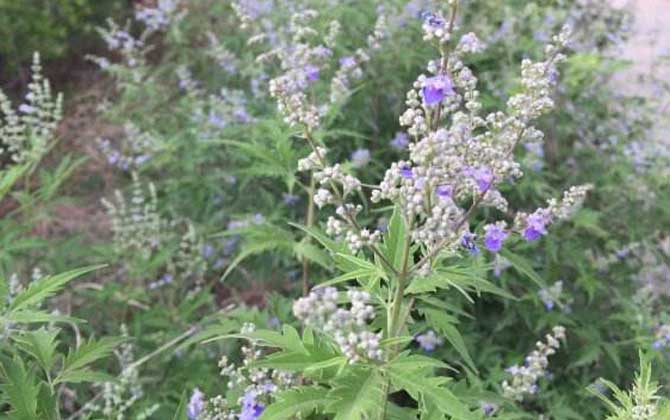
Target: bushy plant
421 276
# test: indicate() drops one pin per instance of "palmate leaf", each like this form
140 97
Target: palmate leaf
40 344
301 401
20 389
264 160
357 394
45 287
288 339
429 390
75 365
463 279
320 361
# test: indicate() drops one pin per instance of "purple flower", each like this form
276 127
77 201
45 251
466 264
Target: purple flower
535 226
436 88
433 20
215 120
470 43
230 245
429 341
406 172
495 236
290 199
400 141
141 159
242 115
113 157
347 62
321 51
468 242
274 322
258 219
312 72
27 109
482 176
196 404
251 410
360 158
207 251
488 408
444 191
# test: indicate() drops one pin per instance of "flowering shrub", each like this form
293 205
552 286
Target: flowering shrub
266 196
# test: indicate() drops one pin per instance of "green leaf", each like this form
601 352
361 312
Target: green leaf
289 340
523 266
312 253
444 325
355 274
331 245
87 353
357 394
301 401
28 316
429 390
40 344
83 375
45 287
394 240
180 413
20 390
10 177
260 239
409 361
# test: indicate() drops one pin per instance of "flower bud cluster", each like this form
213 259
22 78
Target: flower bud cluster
189 260
350 66
347 326
315 160
118 398
161 16
436 27
662 337
26 133
257 387
524 378
131 49
139 229
301 62
136 148
533 226
137 226
552 295
218 112
225 58
429 341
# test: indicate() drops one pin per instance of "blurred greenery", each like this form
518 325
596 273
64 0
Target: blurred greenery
56 28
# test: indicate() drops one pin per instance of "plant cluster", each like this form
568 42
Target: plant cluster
313 209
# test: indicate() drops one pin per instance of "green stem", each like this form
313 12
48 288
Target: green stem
309 222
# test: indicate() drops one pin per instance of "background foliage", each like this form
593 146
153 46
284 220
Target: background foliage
177 173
